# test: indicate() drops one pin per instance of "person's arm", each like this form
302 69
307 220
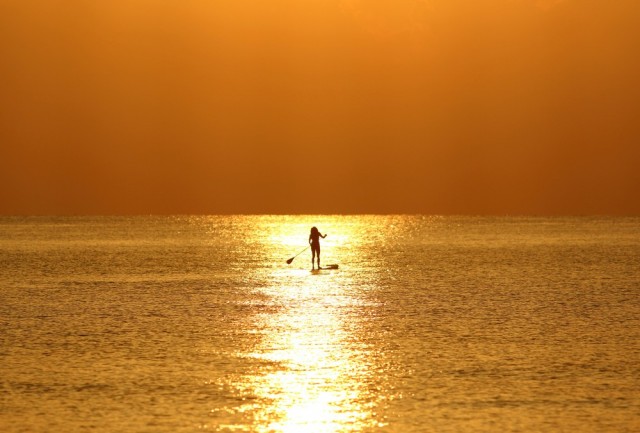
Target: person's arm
309 239
324 236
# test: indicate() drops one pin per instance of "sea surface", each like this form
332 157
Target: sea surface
430 324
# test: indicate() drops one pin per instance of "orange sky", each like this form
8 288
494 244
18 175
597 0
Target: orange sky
320 106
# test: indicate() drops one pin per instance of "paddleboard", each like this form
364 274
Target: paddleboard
330 267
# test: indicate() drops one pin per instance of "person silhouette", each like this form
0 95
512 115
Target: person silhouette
314 241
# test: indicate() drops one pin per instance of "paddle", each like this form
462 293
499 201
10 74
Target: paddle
291 259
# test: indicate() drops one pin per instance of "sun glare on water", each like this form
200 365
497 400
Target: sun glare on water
313 391
318 370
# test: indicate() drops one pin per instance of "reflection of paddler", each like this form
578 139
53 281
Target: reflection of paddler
314 241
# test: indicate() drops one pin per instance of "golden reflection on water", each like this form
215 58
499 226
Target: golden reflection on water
318 380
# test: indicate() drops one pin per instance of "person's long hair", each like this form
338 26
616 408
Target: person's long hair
314 230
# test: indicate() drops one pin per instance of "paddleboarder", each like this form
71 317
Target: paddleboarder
314 241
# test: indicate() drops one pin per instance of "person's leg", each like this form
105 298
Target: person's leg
313 257
318 253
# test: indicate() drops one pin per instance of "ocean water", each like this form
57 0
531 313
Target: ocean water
430 324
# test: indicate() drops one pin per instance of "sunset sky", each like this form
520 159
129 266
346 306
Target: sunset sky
320 106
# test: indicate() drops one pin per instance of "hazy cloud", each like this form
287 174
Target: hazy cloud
445 106
384 17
